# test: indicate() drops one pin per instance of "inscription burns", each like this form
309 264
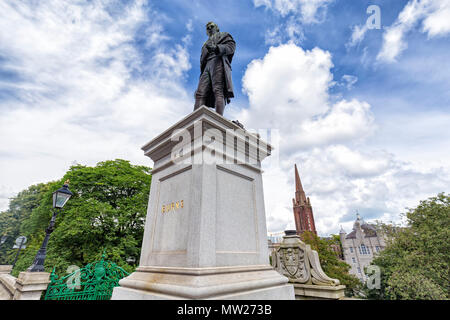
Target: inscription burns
172 206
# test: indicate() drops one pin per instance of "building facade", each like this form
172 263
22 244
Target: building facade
303 214
275 237
360 246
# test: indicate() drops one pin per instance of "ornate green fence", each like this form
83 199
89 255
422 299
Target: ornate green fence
95 281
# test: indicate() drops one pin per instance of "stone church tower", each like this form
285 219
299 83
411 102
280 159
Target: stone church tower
303 214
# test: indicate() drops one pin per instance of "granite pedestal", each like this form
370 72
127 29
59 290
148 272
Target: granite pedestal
205 235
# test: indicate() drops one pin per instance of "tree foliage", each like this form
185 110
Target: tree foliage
331 265
107 211
12 220
415 262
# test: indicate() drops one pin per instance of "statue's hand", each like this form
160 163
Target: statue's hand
211 47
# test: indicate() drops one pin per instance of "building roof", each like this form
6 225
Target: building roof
369 231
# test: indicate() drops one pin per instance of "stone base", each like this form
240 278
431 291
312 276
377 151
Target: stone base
5 269
30 285
245 282
7 282
315 292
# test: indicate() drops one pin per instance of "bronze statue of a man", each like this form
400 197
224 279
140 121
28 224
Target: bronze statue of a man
215 87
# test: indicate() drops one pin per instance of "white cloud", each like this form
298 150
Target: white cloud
290 31
274 36
294 31
358 35
296 14
290 79
340 180
267 3
348 81
355 164
435 22
337 180
189 26
83 89
393 44
288 90
309 10
347 120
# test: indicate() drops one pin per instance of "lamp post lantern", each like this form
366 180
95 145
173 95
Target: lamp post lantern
3 240
60 198
131 260
20 244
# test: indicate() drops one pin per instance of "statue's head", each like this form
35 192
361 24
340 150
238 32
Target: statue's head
211 28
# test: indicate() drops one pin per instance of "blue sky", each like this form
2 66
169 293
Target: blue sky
363 112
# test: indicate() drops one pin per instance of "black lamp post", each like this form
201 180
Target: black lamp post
60 197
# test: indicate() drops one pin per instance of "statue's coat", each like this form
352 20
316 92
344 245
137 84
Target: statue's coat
226 46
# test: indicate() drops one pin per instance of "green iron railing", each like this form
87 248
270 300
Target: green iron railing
95 281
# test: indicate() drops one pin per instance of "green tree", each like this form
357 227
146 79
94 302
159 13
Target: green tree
12 220
331 265
415 262
107 211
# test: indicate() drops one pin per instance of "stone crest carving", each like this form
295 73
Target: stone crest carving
292 262
299 263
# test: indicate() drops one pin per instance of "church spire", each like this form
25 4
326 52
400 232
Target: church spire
303 215
300 196
298 183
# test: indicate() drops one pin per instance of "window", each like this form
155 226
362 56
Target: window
359 270
354 260
363 249
351 250
377 248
